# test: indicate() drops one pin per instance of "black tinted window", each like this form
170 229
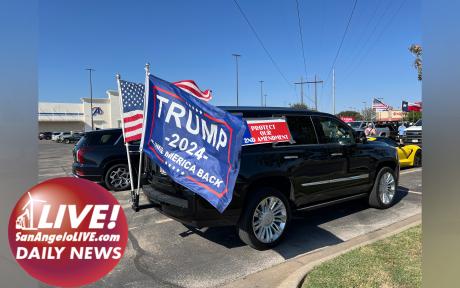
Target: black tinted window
332 131
108 138
302 130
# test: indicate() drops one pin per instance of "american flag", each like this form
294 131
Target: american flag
190 87
132 98
378 105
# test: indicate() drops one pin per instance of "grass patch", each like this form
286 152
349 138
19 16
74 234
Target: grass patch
392 262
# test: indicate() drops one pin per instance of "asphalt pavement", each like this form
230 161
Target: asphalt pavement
164 253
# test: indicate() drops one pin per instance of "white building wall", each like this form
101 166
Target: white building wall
77 116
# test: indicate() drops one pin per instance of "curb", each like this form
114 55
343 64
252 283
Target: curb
295 269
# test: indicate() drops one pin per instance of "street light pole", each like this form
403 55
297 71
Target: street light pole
265 95
261 93
365 110
91 95
237 92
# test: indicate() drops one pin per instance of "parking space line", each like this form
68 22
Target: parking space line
52 174
414 192
410 171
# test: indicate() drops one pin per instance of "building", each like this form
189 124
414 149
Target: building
55 117
392 115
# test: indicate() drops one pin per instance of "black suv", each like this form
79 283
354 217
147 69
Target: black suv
100 156
327 164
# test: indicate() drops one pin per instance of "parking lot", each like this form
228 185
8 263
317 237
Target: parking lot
164 253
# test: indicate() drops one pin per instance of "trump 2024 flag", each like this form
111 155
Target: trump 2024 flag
198 145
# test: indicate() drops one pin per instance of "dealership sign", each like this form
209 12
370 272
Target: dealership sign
196 144
261 131
347 119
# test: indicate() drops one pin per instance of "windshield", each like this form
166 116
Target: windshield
418 123
355 124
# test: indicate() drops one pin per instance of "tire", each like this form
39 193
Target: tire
260 199
67 141
117 178
384 189
418 159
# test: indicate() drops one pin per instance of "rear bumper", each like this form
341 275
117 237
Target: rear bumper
190 209
88 173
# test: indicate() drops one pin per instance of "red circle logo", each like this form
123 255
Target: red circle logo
67 232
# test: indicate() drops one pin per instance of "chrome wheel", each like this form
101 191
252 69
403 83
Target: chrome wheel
119 178
269 219
387 188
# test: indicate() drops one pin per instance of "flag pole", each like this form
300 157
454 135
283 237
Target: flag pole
135 204
124 138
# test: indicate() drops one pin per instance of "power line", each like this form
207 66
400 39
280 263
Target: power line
343 37
359 52
301 39
261 43
376 39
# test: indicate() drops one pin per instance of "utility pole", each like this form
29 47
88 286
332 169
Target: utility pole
365 110
261 93
333 91
237 92
91 95
316 93
301 83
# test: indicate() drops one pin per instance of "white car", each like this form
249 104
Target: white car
414 134
55 135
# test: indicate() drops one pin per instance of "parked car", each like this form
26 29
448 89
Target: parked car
414 134
61 136
409 155
392 129
45 135
100 156
73 137
360 126
326 163
55 135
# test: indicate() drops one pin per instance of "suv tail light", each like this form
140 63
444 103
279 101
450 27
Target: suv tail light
81 155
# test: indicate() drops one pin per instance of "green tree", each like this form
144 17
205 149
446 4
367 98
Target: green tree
416 50
299 106
368 114
412 116
349 113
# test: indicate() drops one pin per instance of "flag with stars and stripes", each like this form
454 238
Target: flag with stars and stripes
378 105
132 102
191 87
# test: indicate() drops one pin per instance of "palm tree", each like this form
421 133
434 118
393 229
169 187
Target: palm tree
416 50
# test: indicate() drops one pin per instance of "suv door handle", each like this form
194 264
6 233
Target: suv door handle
291 157
336 154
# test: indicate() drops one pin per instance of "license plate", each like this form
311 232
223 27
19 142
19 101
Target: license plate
414 140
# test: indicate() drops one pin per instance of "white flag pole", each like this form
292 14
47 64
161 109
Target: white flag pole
139 173
124 136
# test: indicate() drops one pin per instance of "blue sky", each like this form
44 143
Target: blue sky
195 40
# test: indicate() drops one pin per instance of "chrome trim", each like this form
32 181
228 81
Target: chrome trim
333 202
291 157
336 154
357 177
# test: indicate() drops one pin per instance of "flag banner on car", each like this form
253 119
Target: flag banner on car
132 109
191 87
270 130
196 144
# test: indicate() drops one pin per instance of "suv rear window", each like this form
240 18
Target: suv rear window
99 138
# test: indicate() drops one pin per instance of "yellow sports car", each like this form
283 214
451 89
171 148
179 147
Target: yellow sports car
409 155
